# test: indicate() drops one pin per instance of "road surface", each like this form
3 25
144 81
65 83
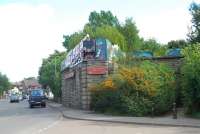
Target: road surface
18 118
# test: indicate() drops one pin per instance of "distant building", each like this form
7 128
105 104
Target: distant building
18 85
30 83
27 84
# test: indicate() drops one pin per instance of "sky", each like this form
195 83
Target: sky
30 30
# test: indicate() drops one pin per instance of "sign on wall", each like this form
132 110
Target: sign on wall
69 75
97 70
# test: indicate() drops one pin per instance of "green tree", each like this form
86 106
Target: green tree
153 46
150 45
104 24
190 78
194 34
130 33
4 83
96 20
50 72
103 18
70 41
177 44
108 32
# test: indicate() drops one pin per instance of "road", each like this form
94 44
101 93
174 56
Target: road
17 118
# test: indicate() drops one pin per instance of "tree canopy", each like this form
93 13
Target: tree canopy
105 24
194 34
106 31
103 18
70 41
4 83
50 72
97 21
130 33
177 44
153 46
190 80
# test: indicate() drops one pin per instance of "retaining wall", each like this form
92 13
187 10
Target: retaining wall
77 80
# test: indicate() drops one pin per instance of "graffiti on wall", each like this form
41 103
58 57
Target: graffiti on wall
99 49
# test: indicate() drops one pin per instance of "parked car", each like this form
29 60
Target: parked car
37 98
14 98
20 97
24 96
50 96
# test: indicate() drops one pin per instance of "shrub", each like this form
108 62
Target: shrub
191 79
163 80
135 90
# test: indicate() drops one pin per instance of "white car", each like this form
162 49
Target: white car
14 98
50 96
20 97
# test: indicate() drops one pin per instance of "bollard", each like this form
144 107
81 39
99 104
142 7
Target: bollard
152 112
174 111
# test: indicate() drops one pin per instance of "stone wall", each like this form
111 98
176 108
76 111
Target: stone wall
77 80
173 62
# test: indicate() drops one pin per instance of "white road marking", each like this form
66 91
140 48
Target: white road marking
49 126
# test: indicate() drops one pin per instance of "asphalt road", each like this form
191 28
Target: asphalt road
18 118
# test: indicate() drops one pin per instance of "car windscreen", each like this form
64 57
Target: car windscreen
37 93
14 94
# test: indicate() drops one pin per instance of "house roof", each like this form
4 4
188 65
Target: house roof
30 82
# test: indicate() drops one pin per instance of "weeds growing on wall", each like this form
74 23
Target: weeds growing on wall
137 91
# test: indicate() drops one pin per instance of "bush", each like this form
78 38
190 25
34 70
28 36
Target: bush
136 90
191 79
163 80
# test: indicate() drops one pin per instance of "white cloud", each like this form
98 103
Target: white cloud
27 34
165 25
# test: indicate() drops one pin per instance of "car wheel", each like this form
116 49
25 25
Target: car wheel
30 106
43 105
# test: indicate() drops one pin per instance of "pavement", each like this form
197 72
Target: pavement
156 121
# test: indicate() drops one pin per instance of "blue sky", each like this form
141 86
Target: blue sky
34 28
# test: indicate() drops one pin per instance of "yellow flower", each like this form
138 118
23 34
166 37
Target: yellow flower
108 83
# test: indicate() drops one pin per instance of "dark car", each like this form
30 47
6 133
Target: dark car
37 98
24 96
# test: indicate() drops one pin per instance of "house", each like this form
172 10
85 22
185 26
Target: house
30 83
